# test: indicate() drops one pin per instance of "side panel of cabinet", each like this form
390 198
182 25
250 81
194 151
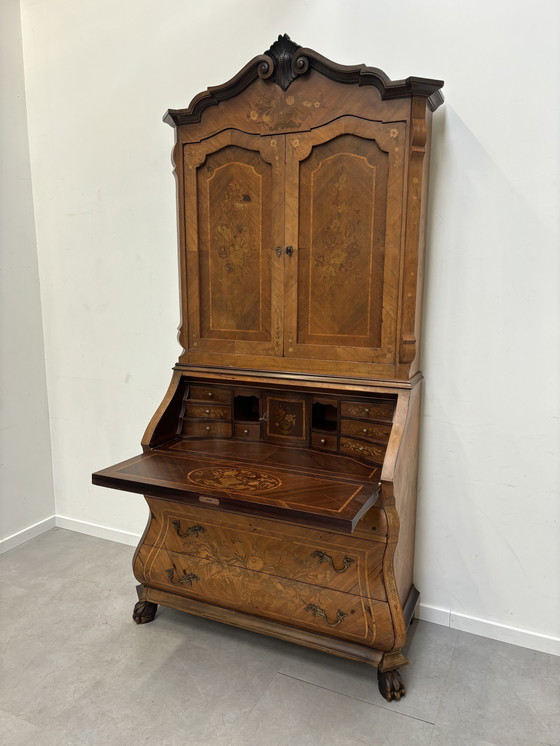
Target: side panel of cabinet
233 223
344 198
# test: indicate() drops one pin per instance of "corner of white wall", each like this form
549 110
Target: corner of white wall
26 482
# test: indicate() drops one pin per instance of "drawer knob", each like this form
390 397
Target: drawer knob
193 530
318 611
324 557
365 430
210 394
185 578
206 411
361 448
366 411
322 441
208 428
245 431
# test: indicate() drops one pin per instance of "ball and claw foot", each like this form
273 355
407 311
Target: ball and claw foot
390 684
144 612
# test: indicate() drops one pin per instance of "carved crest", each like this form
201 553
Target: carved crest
281 63
285 60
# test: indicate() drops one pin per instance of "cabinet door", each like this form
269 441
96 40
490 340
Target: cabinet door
344 197
233 224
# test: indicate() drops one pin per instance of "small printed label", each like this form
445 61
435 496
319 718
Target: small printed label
206 499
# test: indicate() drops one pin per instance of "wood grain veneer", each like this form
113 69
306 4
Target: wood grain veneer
280 468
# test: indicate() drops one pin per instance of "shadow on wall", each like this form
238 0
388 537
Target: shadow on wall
486 436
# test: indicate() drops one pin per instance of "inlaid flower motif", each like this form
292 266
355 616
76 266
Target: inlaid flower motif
282 113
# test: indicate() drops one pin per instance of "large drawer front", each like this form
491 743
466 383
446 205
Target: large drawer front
335 561
288 601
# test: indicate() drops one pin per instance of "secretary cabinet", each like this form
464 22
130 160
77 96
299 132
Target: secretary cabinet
280 469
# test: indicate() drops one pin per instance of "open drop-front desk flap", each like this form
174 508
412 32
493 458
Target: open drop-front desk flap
259 479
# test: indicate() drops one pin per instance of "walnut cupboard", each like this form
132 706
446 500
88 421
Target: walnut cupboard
280 469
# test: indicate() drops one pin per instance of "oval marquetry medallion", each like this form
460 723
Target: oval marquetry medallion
234 478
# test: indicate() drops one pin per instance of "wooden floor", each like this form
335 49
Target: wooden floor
77 670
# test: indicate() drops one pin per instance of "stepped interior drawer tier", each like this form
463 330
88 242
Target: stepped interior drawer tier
210 394
320 440
368 410
366 430
301 604
361 448
206 429
247 431
209 411
335 561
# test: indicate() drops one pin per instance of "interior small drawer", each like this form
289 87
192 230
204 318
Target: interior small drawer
208 411
367 410
210 394
215 429
246 431
367 430
328 442
369 451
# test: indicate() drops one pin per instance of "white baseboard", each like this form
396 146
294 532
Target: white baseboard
494 630
20 537
94 529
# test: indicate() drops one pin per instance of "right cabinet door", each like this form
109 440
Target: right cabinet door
344 203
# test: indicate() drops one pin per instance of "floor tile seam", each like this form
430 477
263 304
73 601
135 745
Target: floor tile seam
244 715
444 687
13 585
19 716
356 699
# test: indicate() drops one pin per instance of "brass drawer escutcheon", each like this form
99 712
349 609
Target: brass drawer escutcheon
187 577
324 557
318 611
196 530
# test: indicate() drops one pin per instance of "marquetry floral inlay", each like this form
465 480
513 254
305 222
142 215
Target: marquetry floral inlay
231 236
287 112
234 478
336 248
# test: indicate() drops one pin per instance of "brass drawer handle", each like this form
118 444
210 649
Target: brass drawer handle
318 611
324 557
196 530
187 577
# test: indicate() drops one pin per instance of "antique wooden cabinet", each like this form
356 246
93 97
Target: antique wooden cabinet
280 469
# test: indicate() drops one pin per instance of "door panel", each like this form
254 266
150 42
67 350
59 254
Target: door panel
342 278
234 215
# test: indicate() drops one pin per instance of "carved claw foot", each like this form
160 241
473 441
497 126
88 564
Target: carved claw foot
144 612
390 684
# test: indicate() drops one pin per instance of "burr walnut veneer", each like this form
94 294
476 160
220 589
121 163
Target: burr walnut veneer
280 468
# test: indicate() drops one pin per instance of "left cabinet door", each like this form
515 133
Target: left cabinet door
233 236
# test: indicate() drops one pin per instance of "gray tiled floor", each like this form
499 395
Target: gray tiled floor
77 670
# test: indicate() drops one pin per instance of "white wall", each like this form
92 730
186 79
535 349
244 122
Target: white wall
100 75
26 489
